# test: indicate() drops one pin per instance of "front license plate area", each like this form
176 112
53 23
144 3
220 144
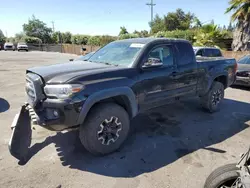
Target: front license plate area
21 134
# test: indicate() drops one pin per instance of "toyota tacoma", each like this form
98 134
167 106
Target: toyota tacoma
100 96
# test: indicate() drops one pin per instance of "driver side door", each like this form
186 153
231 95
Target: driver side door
156 85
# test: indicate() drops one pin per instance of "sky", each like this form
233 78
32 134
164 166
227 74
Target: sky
99 17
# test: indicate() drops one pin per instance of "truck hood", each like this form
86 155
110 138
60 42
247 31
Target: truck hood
61 73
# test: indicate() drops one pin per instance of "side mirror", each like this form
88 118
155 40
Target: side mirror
152 62
71 59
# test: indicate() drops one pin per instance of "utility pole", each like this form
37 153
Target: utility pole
53 27
152 9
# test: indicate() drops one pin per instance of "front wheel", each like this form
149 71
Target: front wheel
105 129
211 101
223 177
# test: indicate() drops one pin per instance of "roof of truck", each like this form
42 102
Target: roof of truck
151 39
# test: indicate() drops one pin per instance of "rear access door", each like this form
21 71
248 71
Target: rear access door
186 74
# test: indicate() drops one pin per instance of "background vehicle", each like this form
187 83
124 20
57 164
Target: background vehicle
22 46
123 78
243 72
9 46
231 175
207 52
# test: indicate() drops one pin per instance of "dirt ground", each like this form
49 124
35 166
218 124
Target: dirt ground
173 146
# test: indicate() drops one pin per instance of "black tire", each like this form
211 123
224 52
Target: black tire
224 175
27 50
92 131
211 101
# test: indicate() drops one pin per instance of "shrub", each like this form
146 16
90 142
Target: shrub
105 39
128 36
80 39
179 34
94 41
32 40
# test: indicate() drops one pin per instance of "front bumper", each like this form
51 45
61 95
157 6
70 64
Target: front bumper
57 115
22 48
242 81
67 116
21 134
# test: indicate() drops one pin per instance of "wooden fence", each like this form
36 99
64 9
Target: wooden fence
77 49
236 55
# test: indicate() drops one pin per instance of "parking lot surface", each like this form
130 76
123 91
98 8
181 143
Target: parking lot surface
175 146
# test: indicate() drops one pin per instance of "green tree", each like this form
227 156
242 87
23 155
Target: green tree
143 33
37 28
105 39
33 40
157 24
178 20
196 23
66 37
128 36
210 35
2 37
230 27
241 15
80 39
19 36
55 37
123 30
94 41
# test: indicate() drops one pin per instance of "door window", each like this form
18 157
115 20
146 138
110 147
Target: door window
199 53
164 54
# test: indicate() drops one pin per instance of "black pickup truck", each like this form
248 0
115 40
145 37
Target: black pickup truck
120 80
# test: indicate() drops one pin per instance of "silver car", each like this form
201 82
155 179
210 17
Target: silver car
9 46
243 72
22 46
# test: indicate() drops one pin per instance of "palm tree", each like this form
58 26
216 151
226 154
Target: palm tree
241 15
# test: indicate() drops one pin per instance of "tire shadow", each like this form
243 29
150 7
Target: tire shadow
4 105
158 138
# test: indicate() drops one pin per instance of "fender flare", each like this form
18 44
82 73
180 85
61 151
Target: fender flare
210 82
105 94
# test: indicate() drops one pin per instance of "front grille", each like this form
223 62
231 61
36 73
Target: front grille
34 89
243 74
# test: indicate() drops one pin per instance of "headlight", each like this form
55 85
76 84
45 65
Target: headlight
62 91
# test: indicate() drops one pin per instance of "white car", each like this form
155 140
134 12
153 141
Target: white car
22 46
9 46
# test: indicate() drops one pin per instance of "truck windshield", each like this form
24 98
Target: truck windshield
117 53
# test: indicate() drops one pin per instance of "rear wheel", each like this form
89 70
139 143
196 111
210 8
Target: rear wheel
211 101
222 177
105 129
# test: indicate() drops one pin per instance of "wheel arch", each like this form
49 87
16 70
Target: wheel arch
222 78
123 96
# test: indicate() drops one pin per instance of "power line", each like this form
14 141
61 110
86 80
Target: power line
152 9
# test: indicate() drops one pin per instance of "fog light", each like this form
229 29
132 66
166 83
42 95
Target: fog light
55 113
